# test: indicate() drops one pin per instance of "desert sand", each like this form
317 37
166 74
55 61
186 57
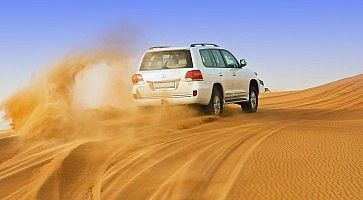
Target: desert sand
304 144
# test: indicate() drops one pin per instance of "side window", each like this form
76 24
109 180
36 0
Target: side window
207 58
218 58
230 59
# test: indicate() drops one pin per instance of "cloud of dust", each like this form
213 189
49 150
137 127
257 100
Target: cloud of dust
99 85
53 103
4 124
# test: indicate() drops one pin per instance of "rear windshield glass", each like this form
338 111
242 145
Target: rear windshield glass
166 60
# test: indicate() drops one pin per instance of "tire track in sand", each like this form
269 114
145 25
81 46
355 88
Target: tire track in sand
232 177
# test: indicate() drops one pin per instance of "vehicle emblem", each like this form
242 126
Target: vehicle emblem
163 75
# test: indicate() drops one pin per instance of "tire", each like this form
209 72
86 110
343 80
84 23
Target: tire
252 104
215 106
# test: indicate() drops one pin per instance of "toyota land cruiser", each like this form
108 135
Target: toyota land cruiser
203 74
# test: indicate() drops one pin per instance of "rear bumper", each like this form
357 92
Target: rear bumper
165 101
202 97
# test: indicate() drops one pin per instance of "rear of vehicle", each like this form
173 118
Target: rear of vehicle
168 76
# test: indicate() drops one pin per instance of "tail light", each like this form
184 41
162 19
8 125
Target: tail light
194 75
137 78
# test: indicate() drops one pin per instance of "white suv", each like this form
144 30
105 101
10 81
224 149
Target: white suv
203 74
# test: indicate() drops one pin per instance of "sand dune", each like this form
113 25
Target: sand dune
300 145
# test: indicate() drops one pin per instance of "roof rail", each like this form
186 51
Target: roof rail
203 44
159 47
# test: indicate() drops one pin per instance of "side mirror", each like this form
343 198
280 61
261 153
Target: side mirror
243 62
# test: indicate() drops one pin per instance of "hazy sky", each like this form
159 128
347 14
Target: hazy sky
291 44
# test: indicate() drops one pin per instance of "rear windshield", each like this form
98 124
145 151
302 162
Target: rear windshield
166 60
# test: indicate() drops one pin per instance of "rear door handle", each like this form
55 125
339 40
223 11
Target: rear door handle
220 74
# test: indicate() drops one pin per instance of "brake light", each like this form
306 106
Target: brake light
194 75
137 78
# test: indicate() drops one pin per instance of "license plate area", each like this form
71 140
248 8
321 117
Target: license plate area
164 85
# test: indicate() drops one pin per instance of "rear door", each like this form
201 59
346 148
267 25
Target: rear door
224 73
240 80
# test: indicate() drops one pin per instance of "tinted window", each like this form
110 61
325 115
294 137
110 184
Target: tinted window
207 58
218 58
230 59
166 60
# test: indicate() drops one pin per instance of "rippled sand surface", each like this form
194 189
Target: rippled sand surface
299 145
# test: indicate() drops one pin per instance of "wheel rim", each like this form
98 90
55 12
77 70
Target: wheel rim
216 105
253 99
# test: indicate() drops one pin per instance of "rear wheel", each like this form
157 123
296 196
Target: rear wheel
252 104
215 106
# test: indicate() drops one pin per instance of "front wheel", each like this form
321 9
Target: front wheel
215 106
252 104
